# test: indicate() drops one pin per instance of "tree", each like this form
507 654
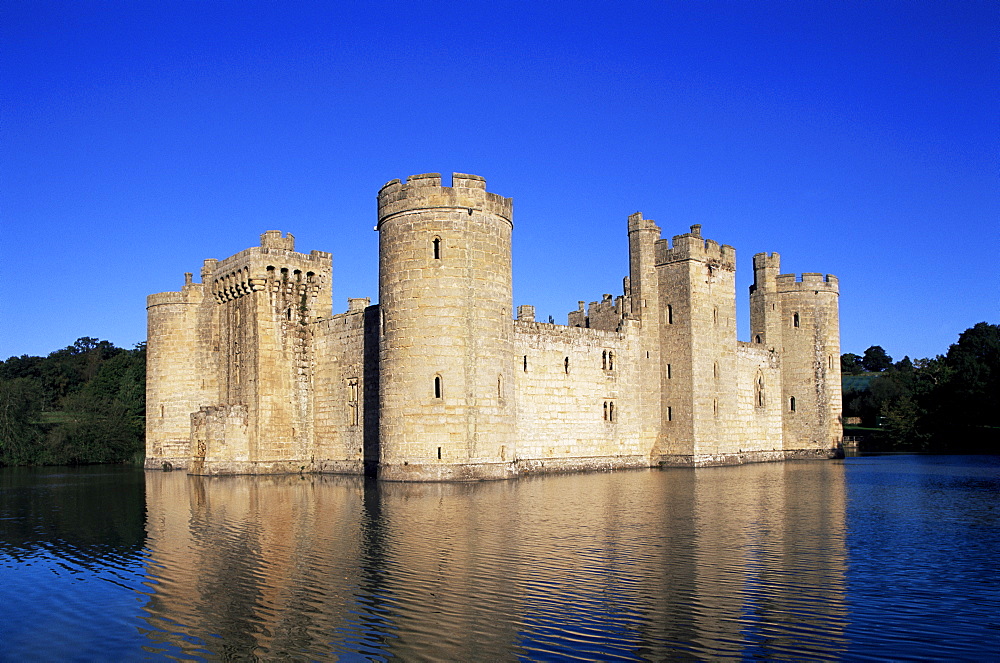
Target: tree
945 404
81 404
972 390
904 365
876 359
850 364
20 404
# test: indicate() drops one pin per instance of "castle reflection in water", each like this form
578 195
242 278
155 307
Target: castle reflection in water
746 561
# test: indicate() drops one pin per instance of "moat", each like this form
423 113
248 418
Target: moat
870 557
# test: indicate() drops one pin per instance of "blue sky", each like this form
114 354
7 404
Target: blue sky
854 138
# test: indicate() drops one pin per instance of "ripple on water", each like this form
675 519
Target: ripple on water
781 561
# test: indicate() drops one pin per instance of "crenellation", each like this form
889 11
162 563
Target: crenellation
250 371
463 180
425 192
357 304
807 281
425 179
273 239
691 246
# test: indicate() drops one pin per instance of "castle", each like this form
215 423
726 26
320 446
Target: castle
250 371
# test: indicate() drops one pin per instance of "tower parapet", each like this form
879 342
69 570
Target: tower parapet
807 281
273 239
691 246
423 192
446 348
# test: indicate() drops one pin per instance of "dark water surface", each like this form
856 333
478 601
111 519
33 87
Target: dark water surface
872 557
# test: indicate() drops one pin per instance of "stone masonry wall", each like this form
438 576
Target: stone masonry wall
758 418
810 332
339 390
445 297
575 395
179 376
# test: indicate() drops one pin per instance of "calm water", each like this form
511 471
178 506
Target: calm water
873 557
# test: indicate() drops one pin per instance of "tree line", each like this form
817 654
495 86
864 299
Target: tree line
82 404
950 403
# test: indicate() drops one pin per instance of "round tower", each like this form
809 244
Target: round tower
810 363
178 380
446 345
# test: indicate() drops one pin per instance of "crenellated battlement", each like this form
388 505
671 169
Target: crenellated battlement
257 256
425 191
606 314
161 298
807 281
766 267
273 239
766 261
691 246
636 223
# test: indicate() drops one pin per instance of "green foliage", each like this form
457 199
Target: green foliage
20 403
876 359
850 364
81 404
948 403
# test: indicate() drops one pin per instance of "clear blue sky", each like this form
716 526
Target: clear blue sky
855 138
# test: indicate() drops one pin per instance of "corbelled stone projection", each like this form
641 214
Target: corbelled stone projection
250 372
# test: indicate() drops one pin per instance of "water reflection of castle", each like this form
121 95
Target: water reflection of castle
678 563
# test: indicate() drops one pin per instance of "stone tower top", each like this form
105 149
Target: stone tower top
424 191
765 273
808 281
273 239
762 261
636 222
691 246
766 267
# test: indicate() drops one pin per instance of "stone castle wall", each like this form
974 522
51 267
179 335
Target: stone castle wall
575 393
250 372
342 414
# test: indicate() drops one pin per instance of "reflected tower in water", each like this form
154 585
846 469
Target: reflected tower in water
745 561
